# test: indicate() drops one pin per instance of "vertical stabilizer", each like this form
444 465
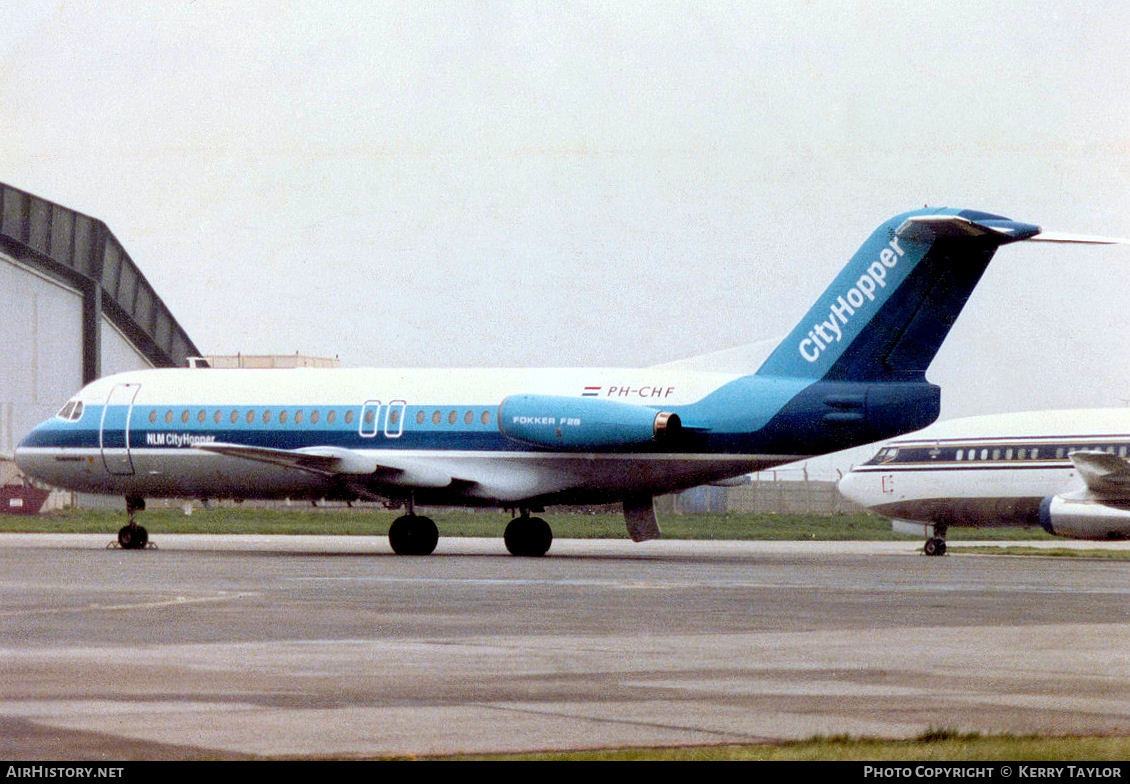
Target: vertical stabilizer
886 314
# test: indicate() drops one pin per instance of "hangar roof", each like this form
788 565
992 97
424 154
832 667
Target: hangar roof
84 252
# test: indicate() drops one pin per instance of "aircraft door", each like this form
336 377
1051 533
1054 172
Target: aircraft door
113 436
394 419
370 419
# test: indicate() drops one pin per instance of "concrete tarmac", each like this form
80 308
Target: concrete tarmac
332 647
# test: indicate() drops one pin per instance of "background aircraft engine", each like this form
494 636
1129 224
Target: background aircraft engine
1083 519
580 424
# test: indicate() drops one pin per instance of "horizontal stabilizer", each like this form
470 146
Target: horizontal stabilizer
929 227
926 227
1107 476
335 460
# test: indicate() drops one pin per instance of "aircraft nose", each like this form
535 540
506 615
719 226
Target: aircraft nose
24 456
852 487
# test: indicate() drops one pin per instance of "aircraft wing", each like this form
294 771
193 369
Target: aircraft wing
1107 476
331 461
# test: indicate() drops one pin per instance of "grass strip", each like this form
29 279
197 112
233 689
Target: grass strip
934 745
461 522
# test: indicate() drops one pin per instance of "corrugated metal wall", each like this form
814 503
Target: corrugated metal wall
82 251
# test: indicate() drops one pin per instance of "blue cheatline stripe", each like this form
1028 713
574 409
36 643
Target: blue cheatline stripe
178 434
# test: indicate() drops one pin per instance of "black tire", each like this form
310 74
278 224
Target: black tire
427 536
931 547
132 537
412 535
529 537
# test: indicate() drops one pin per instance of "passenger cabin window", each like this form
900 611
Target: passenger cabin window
485 418
331 417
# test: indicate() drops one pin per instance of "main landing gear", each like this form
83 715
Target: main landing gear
133 536
936 544
412 534
528 536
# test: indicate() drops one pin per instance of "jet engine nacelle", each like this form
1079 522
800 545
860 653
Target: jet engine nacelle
582 424
1081 519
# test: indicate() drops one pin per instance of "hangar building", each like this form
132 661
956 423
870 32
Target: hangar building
73 307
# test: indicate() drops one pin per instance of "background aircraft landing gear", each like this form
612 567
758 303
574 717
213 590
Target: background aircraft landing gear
413 535
133 536
528 536
936 544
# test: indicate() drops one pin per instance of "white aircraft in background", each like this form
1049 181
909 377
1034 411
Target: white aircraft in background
1066 471
851 372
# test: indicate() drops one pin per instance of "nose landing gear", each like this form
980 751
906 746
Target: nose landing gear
936 544
133 536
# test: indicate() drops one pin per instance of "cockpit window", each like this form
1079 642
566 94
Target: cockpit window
72 411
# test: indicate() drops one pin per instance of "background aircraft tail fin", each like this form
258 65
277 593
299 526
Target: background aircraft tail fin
886 314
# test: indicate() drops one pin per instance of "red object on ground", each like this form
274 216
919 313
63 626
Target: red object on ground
21 499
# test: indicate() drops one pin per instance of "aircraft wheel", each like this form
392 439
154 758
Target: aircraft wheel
530 537
412 535
133 537
935 546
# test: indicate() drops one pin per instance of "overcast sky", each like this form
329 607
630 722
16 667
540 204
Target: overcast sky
584 183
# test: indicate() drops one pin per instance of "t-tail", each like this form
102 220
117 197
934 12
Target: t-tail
869 339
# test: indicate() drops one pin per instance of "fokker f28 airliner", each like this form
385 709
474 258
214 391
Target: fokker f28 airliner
1066 471
851 372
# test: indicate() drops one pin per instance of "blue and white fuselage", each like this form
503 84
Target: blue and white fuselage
851 372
